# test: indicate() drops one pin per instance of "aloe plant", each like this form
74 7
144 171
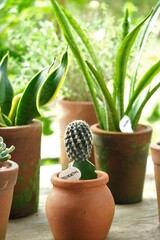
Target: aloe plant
109 103
21 109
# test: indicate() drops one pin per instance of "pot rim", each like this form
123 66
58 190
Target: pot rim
102 179
66 101
155 147
8 175
9 166
34 122
143 129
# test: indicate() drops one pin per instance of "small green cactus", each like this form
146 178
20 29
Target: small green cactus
78 143
4 152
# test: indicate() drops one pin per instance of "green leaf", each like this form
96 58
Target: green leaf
144 82
107 97
139 104
126 25
42 88
6 90
4 120
84 39
27 108
142 41
121 66
53 83
66 28
86 168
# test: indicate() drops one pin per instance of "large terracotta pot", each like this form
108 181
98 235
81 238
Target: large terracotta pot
123 156
81 210
8 178
27 142
155 153
68 112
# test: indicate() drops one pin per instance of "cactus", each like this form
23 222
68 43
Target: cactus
5 152
78 143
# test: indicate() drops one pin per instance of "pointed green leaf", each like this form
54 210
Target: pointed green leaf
144 82
53 83
40 89
138 106
27 108
84 39
66 29
107 96
141 43
4 120
121 66
6 90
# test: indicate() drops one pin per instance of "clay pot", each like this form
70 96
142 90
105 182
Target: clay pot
123 156
68 112
8 178
155 153
81 210
27 142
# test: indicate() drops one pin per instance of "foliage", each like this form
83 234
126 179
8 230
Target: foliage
103 31
30 37
109 104
20 109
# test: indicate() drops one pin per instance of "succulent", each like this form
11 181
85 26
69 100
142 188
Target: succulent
78 143
4 151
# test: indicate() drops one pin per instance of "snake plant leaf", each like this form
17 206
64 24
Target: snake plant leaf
139 104
107 96
143 83
84 39
65 25
121 66
15 102
142 41
53 83
27 109
4 120
46 83
6 89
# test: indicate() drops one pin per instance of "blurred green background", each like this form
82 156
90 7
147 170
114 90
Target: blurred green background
29 32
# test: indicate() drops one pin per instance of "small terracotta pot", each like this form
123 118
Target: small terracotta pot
27 142
155 153
8 178
123 156
68 112
81 210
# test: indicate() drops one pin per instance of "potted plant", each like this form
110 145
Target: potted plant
75 101
118 105
155 153
87 201
8 178
18 127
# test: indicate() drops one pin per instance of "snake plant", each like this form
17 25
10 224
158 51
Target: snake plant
21 109
111 105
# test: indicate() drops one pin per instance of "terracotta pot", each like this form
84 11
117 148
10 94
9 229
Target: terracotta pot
27 142
155 153
8 178
68 112
81 210
123 156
